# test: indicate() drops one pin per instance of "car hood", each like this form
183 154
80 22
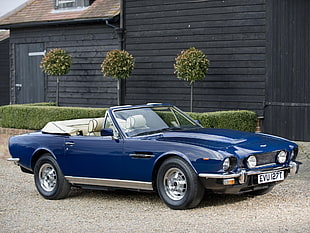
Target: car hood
224 139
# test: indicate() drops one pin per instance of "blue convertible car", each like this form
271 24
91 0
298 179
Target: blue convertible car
152 147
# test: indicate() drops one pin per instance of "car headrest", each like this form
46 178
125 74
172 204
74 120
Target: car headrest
95 125
137 121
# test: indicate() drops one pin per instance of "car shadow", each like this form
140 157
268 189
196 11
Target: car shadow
212 199
118 194
209 200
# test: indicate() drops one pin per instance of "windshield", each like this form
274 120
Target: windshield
144 121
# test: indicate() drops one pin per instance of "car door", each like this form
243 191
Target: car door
93 156
139 158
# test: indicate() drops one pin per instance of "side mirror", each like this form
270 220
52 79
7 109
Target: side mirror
106 132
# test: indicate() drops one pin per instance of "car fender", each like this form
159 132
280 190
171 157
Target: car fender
177 154
38 153
160 159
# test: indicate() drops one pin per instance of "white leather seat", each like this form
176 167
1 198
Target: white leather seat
94 126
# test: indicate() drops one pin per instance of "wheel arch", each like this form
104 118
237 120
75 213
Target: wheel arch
38 154
163 158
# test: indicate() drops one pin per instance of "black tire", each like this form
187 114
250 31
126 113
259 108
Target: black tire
49 180
262 191
178 185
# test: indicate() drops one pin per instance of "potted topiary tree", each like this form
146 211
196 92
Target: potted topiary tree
191 65
55 63
118 64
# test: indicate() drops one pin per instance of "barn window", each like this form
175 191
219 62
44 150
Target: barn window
72 4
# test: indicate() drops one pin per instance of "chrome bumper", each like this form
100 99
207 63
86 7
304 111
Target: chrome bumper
14 160
293 169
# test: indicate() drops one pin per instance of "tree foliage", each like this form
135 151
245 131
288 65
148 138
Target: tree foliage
56 62
118 64
191 65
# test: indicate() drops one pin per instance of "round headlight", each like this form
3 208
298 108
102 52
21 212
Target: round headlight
251 161
226 164
281 158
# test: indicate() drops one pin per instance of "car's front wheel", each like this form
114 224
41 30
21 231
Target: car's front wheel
178 185
49 179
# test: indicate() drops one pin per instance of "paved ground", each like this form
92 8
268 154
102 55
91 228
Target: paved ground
22 209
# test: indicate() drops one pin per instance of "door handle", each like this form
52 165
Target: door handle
69 143
141 156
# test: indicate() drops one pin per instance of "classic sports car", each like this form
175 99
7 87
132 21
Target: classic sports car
152 147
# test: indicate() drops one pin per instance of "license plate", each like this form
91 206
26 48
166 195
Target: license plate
270 177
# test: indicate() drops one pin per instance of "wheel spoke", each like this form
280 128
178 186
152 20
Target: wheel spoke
175 184
47 177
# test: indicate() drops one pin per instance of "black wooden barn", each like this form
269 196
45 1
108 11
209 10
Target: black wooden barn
4 67
258 49
85 32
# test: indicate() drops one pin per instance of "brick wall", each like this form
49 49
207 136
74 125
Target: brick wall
5 134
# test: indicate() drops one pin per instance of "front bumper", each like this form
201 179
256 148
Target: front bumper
243 180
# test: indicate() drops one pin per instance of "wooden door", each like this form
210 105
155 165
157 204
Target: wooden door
29 79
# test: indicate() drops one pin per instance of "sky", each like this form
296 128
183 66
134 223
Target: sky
8 5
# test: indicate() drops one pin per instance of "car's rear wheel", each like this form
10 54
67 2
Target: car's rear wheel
178 185
49 179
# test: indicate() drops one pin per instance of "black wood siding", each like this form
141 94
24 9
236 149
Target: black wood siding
233 35
88 44
287 111
4 72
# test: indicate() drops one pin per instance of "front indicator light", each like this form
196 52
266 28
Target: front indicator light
229 181
281 157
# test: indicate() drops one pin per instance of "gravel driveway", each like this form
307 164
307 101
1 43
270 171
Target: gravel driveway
22 209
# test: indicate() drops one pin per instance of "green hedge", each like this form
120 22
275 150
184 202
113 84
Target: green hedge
35 116
242 120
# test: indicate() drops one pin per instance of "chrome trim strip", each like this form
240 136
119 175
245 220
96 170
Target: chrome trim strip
250 173
265 165
242 172
131 184
219 176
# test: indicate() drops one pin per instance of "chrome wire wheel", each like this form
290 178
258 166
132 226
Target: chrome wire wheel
175 184
48 177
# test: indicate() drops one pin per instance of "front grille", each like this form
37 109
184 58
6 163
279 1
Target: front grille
266 158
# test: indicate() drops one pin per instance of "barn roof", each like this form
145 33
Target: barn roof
40 12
